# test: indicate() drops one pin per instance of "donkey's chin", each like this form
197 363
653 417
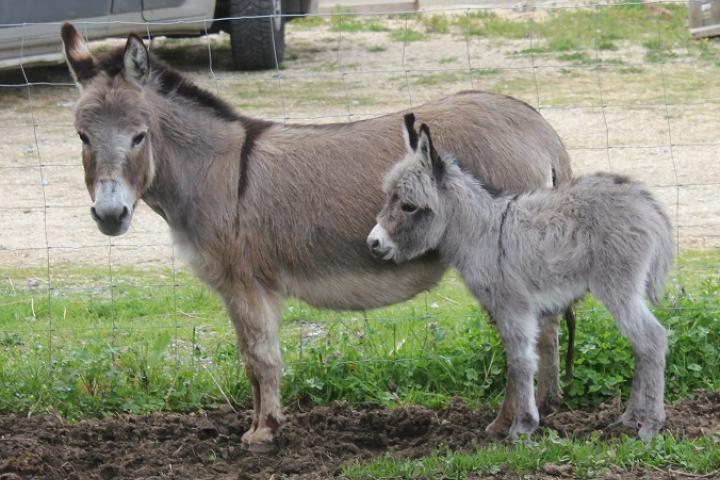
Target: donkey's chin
113 229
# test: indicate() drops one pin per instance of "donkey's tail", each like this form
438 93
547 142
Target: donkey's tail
662 258
569 316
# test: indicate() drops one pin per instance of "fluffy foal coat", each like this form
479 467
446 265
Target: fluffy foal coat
529 254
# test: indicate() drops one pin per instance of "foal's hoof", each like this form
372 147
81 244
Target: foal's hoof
259 440
628 427
498 429
649 429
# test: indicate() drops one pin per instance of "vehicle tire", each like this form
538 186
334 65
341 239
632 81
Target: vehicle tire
256 43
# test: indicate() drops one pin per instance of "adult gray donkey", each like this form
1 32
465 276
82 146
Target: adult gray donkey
529 254
265 210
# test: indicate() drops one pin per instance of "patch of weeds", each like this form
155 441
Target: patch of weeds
576 57
435 23
586 458
308 22
482 72
376 49
446 60
657 51
407 35
441 78
605 43
290 56
350 23
708 50
492 25
469 26
630 70
562 44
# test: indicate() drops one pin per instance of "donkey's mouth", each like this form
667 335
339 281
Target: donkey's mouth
385 254
115 225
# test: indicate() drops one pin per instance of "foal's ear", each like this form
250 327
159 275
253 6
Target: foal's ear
428 155
80 62
409 133
136 61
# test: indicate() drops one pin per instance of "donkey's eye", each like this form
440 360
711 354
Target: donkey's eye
408 208
138 139
84 138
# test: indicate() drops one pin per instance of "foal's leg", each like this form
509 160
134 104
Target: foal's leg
549 393
649 342
500 427
255 314
519 334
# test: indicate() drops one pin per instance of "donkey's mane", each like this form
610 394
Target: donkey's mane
169 81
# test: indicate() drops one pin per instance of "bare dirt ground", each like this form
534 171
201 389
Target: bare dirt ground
314 444
657 122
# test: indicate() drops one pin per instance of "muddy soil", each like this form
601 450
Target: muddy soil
314 444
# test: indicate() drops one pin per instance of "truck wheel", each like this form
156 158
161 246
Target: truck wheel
256 43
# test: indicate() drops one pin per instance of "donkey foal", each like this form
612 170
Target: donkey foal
526 255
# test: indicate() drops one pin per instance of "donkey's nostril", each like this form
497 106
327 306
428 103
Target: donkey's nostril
375 244
124 213
94 214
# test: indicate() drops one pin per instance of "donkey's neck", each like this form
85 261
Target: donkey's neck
197 155
475 221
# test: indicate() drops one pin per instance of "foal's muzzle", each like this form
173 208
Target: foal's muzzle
380 244
113 207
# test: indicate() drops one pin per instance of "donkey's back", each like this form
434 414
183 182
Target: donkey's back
321 187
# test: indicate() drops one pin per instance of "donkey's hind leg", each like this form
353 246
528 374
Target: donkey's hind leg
649 341
255 315
549 393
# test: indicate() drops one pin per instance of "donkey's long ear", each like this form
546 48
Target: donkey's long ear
428 154
409 133
81 63
136 61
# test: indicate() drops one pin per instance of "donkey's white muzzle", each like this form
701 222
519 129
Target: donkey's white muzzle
380 243
113 207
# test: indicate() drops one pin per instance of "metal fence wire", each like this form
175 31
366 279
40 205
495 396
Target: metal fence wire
616 106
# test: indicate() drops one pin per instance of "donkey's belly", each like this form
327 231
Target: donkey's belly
362 290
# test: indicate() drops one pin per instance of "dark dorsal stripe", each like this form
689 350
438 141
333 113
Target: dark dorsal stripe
171 81
253 129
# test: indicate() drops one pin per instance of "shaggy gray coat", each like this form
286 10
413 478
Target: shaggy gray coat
526 255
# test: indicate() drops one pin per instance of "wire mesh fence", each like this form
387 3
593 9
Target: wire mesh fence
624 85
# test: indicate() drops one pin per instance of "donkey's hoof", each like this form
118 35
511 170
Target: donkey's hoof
549 405
629 427
498 429
260 440
649 429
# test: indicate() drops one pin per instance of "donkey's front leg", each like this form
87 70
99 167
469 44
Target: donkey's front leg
519 333
255 314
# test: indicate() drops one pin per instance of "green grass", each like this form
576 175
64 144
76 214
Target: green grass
436 23
587 459
351 23
159 342
407 35
154 342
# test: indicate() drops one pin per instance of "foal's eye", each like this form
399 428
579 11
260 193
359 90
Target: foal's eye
84 138
138 139
408 208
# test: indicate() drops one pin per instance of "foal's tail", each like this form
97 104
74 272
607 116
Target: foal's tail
569 316
662 257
